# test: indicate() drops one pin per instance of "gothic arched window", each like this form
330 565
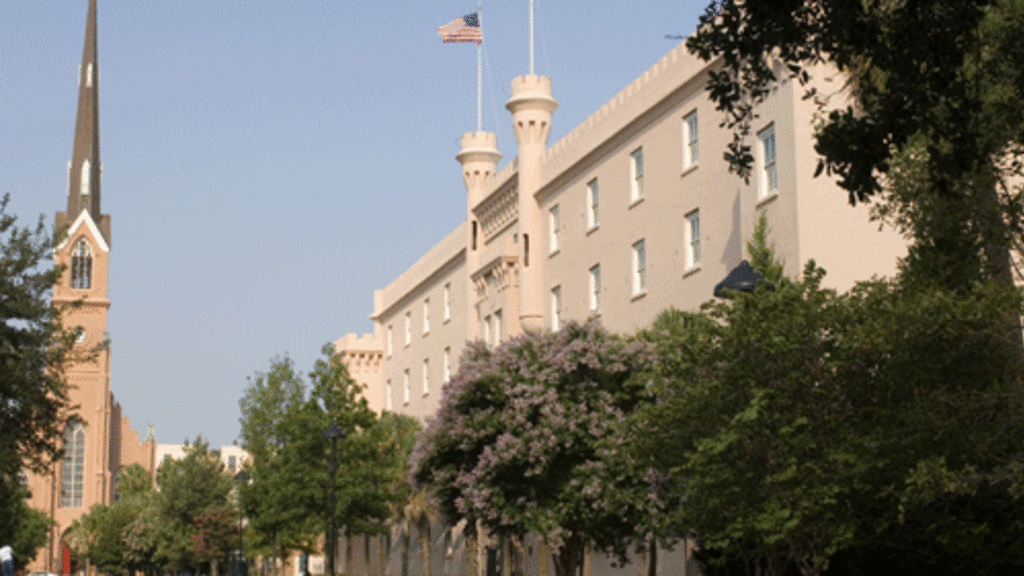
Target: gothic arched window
81 265
73 470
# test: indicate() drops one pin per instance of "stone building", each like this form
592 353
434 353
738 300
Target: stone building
99 440
632 212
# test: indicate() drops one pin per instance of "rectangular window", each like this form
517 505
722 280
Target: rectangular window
447 365
769 170
408 328
693 233
593 203
426 316
390 394
553 229
691 152
487 330
639 268
405 381
556 308
391 339
497 328
637 173
426 376
231 463
595 289
447 302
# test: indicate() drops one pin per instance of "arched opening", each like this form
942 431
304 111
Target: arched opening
81 265
73 466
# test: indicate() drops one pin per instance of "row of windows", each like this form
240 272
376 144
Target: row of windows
639 271
691 152
426 320
407 380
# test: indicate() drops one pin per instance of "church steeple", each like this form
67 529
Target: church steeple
84 176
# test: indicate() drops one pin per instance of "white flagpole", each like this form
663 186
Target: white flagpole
531 36
479 72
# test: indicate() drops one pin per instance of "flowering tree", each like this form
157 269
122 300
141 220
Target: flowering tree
528 439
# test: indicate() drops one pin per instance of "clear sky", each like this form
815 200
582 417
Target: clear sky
251 147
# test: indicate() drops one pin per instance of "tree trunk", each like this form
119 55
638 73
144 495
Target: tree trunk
567 558
425 546
652 562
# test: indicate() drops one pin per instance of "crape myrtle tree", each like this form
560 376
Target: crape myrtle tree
809 431
527 439
35 351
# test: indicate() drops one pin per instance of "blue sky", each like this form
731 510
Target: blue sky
251 148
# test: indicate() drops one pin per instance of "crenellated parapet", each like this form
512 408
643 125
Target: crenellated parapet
531 106
479 158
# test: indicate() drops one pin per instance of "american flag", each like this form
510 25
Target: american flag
463 29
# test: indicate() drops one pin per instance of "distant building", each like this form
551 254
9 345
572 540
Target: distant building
232 457
630 213
100 440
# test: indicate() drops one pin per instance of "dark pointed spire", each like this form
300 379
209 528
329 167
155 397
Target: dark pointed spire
84 177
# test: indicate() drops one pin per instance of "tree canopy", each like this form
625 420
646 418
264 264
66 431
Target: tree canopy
35 351
527 439
283 424
800 425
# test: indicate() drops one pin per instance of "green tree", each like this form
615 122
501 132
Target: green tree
189 487
27 528
800 425
35 351
283 428
99 535
272 499
527 440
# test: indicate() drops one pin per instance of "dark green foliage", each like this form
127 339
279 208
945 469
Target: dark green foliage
35 351
801 426
283 423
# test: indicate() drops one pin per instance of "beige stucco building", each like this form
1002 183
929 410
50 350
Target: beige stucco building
99 439
632 212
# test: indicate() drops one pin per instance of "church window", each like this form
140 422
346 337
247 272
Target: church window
73 469
81 265
84 179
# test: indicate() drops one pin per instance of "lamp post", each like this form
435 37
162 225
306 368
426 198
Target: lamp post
742 278
239 565
332 433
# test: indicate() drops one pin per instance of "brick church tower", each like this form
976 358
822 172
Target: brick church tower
98 441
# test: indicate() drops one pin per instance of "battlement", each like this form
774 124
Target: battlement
479 142
351 344
531 93
671 72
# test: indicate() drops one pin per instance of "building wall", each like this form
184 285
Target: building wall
485 259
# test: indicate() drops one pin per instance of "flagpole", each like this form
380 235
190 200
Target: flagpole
479 72
531 36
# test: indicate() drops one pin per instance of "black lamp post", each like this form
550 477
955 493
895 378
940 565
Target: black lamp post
742 278
332 433
239 566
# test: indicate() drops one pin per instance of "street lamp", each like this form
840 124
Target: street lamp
742 278
241 477
332 433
